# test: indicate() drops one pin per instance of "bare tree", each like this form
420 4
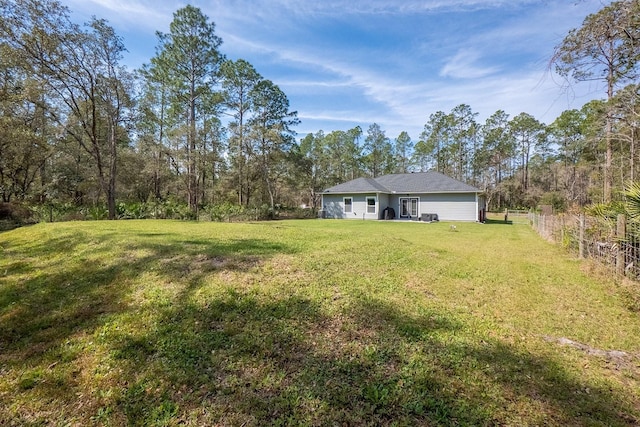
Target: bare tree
604 49
87 90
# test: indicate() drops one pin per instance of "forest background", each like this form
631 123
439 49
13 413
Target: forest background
193 133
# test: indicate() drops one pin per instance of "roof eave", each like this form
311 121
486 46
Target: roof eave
356 192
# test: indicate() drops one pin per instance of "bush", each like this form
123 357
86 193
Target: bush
55 212
96 213
134 210
266 212
225 212
13 215
228 212
298 213
15 212
554 199
170 209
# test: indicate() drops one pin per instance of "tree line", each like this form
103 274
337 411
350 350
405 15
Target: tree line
193 130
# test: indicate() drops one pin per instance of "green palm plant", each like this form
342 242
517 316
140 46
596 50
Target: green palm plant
632 201
606 211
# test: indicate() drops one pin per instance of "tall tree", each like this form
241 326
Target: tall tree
378 151
188 61
352 153
626 111
527 132
238 80
403 150
210 158
334 144
567 132
271 131
423 157
87 93
463 134
494 154
24 131
344 154
151 129
313 166
605 49
568 135
437 134
115 93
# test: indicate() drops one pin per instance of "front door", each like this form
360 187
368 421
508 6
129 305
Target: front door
408 207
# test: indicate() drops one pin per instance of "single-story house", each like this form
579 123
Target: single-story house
423 196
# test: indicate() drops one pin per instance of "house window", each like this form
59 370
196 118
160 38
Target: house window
371 205
348 205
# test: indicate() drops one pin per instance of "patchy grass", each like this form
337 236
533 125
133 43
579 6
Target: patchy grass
314 322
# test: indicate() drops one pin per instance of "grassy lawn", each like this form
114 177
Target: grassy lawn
315 322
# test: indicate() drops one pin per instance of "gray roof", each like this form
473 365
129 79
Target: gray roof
422 182
358 185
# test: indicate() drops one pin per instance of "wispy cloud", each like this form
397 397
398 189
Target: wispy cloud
408 107
355 62
373 7
148 15
464 65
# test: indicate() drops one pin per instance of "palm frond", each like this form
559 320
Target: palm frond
632 200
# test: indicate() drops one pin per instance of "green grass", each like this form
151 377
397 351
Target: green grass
315 322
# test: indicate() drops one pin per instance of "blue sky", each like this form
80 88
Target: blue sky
346 63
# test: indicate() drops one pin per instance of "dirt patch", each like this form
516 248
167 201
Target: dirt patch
616 356
219 262
202 263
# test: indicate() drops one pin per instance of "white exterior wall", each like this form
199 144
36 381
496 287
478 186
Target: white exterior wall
333 205
451 206
448 206
383 202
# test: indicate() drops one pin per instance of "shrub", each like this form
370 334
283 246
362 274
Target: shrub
170 209
133 210
556 200
96 213
13 215
224 212
61 211
298 213
15 212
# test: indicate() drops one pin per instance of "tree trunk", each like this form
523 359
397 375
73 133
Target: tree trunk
606 193
608 179
111 189
192 184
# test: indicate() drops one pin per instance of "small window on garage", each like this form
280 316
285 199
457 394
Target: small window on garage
348 205
371 205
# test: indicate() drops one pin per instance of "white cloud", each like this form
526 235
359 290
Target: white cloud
463 65
369 7
408 106
145 14
396 83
